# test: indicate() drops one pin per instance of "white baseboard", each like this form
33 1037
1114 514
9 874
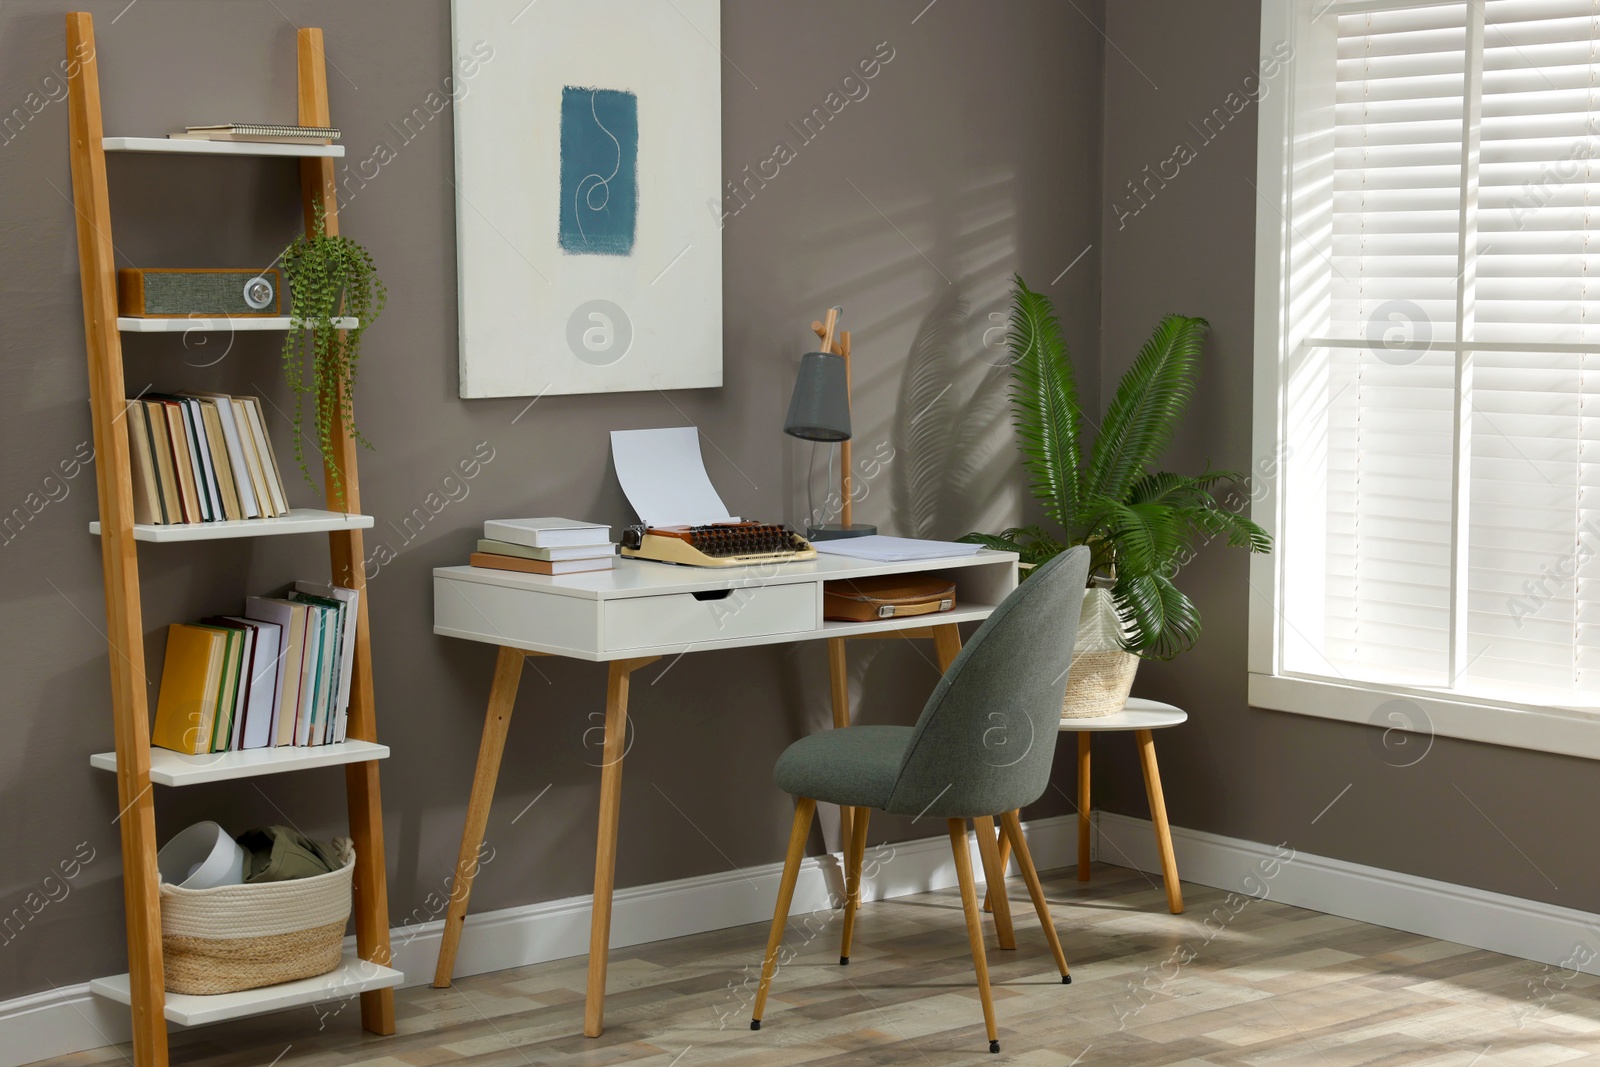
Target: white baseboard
71 1019
1529 929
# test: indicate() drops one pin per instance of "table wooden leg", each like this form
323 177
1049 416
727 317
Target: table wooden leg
605 853
946 644
1158 815
994 875
839 685
502 699
1083 806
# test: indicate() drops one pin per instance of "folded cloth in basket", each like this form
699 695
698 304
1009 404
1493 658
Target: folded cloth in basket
278 854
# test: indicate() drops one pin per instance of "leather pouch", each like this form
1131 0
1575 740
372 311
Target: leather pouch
887 596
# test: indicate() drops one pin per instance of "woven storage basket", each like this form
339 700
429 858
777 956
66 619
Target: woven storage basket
238 937
1102 673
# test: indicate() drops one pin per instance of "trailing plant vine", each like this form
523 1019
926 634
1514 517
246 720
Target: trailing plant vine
328 276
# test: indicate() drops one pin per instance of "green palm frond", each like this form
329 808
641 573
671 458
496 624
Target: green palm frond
1044 400
1219 522
1141 526
1144 412
1158 620
999 544
1144 536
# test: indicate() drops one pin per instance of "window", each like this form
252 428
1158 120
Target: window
1428 367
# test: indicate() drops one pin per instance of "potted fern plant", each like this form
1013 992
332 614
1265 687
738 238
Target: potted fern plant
1140 525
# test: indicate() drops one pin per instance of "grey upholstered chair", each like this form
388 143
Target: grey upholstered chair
981 748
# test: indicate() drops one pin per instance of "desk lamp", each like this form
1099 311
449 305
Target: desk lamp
819 410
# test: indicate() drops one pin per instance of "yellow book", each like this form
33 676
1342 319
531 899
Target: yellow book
190 680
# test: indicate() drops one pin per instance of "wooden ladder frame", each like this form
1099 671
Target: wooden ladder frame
124 619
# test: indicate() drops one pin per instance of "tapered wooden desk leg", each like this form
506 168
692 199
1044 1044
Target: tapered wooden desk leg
839 685
1083 807
946 644
1158 815
605 853
502 699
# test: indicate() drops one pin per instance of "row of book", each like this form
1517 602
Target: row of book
202 457
279 674
545 546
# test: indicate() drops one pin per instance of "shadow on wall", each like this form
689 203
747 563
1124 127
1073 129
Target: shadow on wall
952 455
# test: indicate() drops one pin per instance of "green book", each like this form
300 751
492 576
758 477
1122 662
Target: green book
332 613
228 694
549 555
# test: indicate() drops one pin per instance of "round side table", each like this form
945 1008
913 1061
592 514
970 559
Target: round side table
1141 716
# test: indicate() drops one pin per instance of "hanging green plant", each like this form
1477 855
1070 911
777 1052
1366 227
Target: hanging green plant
328 277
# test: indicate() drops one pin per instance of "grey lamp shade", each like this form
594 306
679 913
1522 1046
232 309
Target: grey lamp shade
819 410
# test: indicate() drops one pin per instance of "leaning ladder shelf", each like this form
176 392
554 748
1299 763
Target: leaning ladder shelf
133 762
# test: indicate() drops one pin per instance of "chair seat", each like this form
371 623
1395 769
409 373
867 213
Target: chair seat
855 766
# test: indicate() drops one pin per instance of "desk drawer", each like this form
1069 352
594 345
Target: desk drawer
680 618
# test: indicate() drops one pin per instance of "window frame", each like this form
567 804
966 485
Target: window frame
1419 711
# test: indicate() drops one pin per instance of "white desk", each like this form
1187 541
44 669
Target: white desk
630 617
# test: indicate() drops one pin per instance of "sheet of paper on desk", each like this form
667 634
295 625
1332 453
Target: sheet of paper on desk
664 477
882 549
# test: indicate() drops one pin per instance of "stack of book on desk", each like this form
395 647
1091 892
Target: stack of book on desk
545 546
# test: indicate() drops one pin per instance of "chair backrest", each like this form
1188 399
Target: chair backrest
987 736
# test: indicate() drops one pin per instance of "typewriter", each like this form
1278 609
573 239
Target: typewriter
724 544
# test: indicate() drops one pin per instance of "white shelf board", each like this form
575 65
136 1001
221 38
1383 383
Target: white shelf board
299 520
352 976
184 146
174 768
957 614
215 323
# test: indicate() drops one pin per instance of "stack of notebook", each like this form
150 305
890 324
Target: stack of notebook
265 133
545 546
202 457
279 674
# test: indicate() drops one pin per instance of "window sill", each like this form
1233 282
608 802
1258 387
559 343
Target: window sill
1424 715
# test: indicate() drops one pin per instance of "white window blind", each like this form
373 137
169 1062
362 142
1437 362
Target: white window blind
1441 522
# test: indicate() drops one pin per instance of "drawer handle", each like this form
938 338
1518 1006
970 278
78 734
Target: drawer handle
711 594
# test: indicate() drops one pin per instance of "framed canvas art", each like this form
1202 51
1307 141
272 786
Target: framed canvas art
588 195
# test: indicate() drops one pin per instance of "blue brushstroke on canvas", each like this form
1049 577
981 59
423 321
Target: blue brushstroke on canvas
599 171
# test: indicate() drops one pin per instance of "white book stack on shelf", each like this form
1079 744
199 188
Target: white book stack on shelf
545 546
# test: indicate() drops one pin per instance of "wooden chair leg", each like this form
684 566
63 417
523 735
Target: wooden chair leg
804 809
1011 826
1005 863
969 905
1158 815
994 873
852 880
1083 806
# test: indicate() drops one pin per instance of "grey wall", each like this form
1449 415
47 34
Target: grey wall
1504 819
980 140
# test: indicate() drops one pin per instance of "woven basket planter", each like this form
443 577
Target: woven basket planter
1102 672
238 937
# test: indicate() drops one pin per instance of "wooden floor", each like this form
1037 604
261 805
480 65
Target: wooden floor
1235 981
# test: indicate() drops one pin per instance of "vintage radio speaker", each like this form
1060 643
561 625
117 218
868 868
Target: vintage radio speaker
177 294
